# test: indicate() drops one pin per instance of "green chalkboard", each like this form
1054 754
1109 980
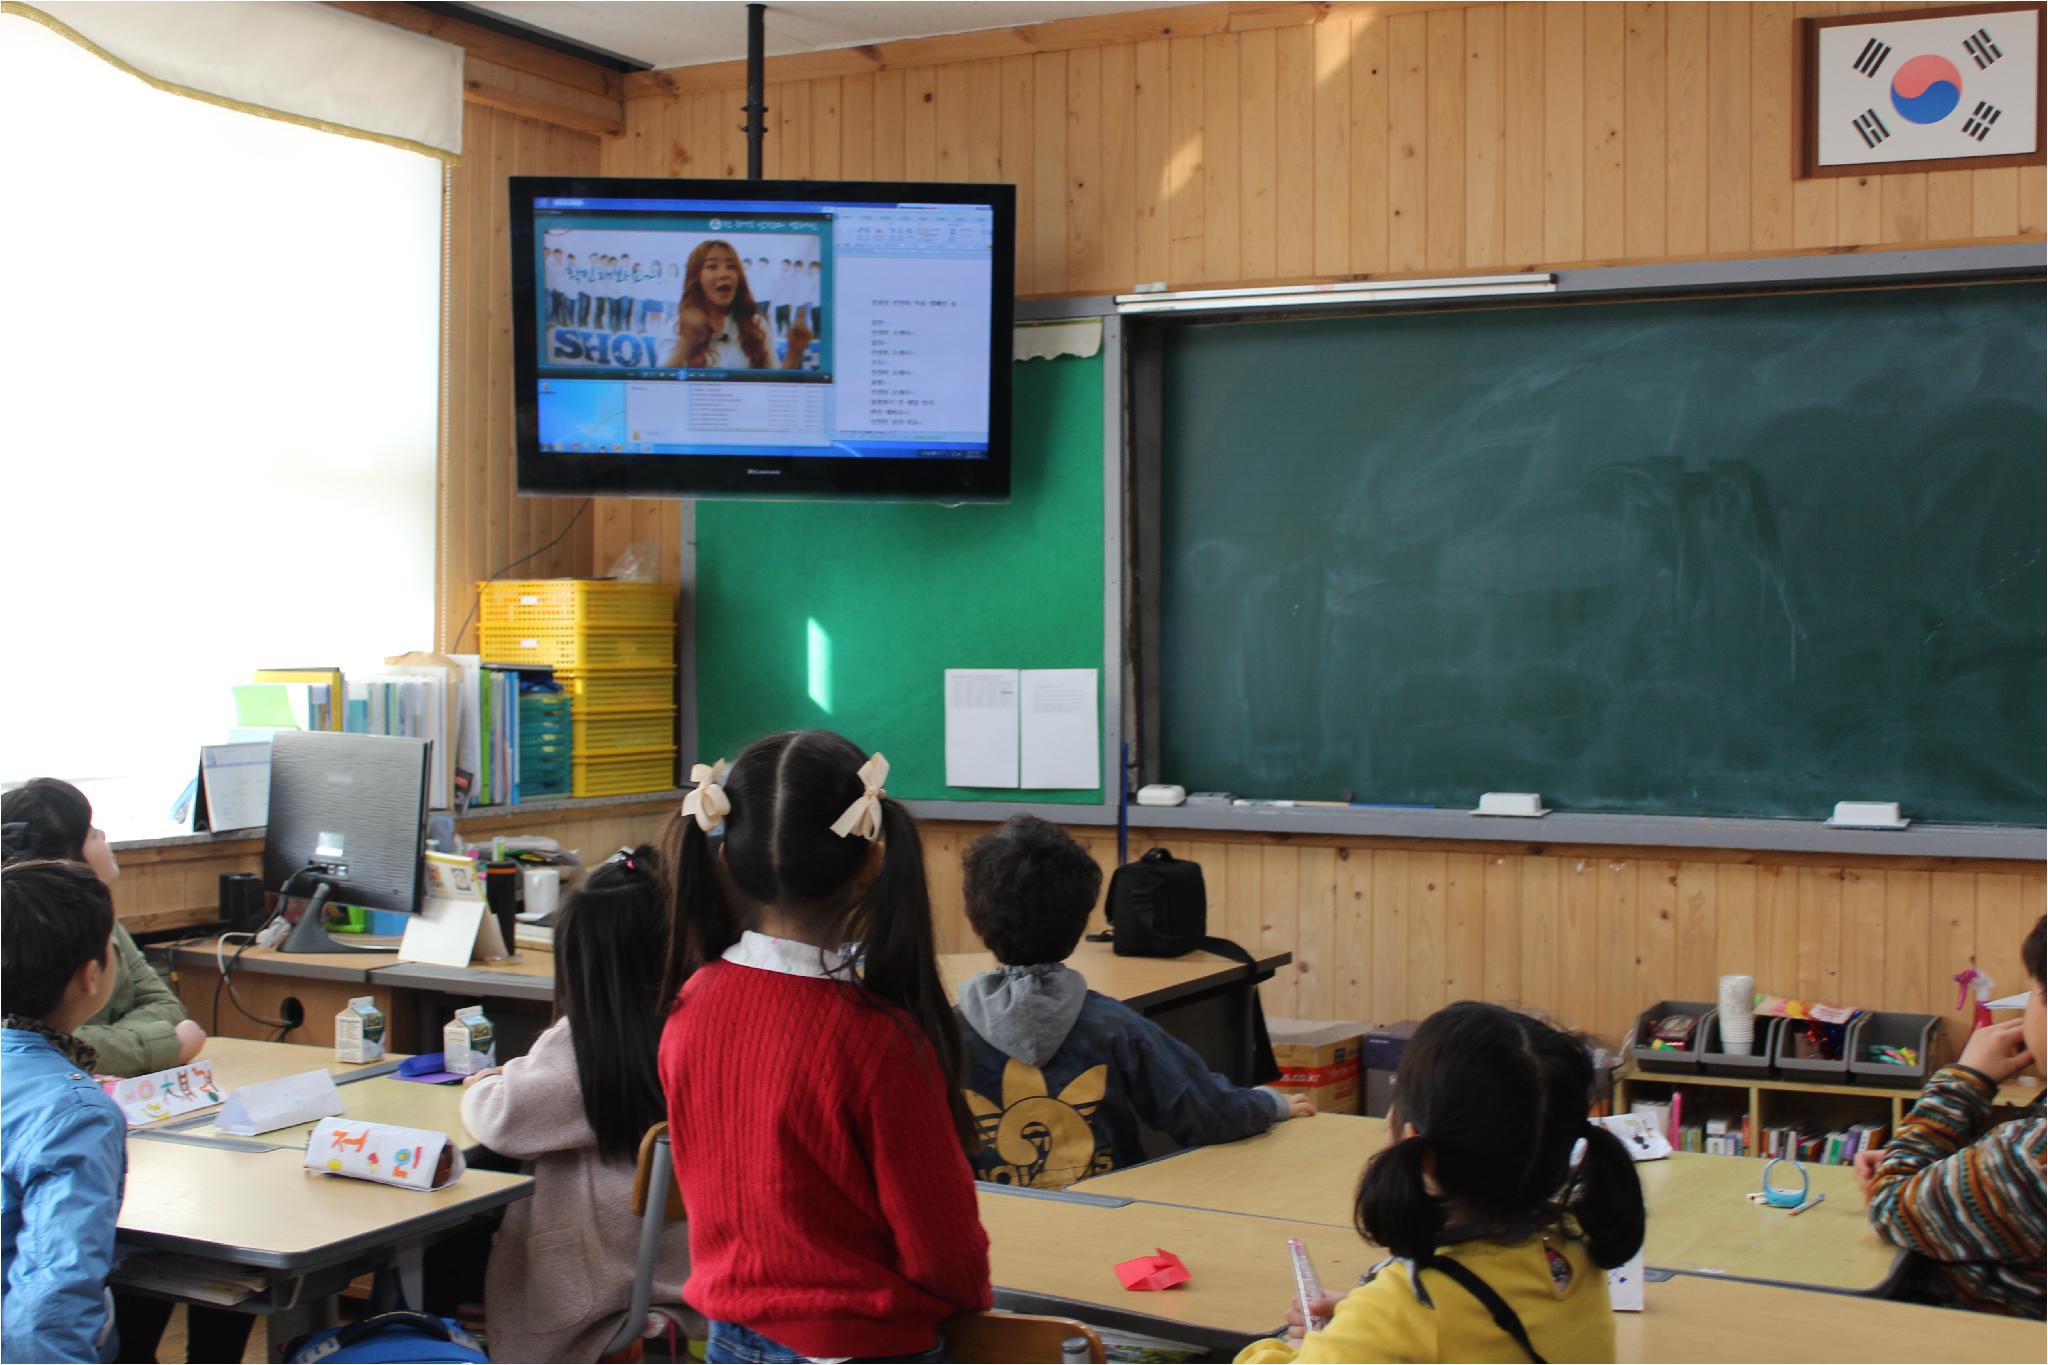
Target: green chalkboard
845 616
1742 557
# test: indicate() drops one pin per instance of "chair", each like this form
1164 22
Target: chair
1003 1337
657 1202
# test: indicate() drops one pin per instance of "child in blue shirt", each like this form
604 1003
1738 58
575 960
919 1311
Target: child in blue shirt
1059 1076
63 1142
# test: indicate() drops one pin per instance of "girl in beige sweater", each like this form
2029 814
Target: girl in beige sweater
574 1109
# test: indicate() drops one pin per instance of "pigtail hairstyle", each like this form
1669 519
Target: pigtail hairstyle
46 817
608 985
785 792
1498 1101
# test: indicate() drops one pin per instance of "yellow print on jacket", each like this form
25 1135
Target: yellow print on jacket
1038 1139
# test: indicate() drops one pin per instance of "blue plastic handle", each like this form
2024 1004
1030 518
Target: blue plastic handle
1785 1198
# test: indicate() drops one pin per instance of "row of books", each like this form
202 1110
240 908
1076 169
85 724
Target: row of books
1715 1137
1835 1148
470 713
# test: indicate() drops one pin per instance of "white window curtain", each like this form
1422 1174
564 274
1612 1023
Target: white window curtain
218 394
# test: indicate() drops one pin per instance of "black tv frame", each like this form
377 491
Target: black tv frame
557 473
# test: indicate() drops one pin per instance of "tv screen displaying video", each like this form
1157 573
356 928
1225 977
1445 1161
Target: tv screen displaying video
762 338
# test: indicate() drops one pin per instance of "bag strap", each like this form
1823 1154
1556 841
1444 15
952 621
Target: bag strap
1503 1316
1256 1063
423 1323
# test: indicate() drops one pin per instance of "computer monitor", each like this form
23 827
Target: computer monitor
348 821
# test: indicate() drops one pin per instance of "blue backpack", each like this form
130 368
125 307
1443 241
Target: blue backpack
392 1337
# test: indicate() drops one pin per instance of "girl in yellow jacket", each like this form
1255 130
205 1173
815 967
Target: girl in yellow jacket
1499 1240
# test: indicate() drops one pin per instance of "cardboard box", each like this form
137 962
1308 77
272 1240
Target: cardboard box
1319 1058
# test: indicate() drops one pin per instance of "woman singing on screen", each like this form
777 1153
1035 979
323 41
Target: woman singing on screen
718 324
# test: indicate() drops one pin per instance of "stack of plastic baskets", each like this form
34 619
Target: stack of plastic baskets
546 737
612 646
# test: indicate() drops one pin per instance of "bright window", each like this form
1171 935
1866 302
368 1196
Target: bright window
217 416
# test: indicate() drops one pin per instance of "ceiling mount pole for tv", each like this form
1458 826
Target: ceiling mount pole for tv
757 128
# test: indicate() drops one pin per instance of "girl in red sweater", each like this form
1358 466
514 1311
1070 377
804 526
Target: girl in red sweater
812 1067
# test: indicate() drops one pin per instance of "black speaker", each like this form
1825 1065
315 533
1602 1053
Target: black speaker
241 901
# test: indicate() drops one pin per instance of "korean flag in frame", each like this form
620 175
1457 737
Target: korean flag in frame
1921 89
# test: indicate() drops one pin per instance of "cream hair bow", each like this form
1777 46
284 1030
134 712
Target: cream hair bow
708 802
864 816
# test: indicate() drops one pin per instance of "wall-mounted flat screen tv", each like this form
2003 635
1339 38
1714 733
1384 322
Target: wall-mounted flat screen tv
772 338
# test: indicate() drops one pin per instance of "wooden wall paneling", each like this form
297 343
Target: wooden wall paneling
1242 866
1615 1000
1445 220
1351 972
1644 61
827 133
1656 957
1687 128
2033 194
888 149
1908 933
1773 51
1736 938
920 123
1018 161
1049 170
1858 210
1728 117
1151 103
857 126
1547 958
1294 60
985 121
1952 946
1606 85
1820 933
1407 143
1995 201
1333 148
1186 194
1564 129
1279 904
1526 138
1500 929
1222 161
1697 937
1258 154
1485 118
1951 205
1369 116
1813 201
1428 923
953 121
1083 197
1315 950
1464 926
1863 943
2007 906
1579 950
1390 916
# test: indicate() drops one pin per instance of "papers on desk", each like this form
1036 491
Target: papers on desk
288 1100
410 1158
164 1094
1031 727
189 1278
452 925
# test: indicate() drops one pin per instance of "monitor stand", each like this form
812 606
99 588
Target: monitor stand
310 934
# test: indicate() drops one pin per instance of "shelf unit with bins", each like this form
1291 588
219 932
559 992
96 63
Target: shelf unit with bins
1768 1101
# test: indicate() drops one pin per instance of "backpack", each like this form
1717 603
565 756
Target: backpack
400 1336
1158 906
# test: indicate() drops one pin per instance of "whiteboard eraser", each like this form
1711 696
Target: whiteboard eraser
1162 794
1525 805
1867 815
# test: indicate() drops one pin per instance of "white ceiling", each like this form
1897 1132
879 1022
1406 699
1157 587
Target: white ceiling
668 33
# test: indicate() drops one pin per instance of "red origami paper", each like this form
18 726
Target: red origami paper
1161 1270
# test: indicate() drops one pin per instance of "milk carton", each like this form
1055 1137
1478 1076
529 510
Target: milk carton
468 1042
359 1031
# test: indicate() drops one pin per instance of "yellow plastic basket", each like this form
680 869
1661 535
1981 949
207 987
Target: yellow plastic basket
619 689
533 605
648 770
563 648
605 732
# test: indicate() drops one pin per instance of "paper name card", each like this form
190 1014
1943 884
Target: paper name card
280 1104
452 877
165 1094
1625 1285
411 1158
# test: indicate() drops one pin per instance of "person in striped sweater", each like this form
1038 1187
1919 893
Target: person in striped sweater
1964 1193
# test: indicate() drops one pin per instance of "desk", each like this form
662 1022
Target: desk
379 1099
270 983
261 1209
1306 1170
1051 1256
243 1061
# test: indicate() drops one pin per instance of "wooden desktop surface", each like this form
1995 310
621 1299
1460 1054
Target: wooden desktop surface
355 966
243 1061
1137 981
1242 1282
265 1209
380 1099
1306 1170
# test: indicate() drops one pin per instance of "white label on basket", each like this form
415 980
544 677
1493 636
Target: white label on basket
529 644
528 600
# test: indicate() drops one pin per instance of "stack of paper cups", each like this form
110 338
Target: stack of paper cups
1738 1013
